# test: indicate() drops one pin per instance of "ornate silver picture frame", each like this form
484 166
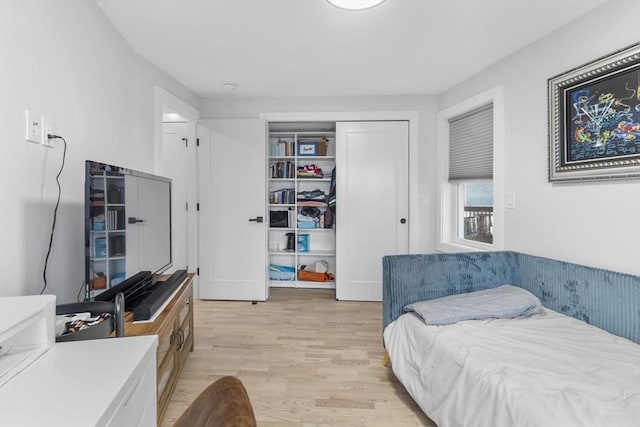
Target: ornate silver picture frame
594 119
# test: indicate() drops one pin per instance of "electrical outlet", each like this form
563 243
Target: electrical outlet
48 128
33 127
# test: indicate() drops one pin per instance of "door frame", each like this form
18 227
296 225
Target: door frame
165 100
409 116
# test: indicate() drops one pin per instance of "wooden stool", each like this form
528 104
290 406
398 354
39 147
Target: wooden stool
224 403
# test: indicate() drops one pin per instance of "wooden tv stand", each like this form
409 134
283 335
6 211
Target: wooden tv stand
174 327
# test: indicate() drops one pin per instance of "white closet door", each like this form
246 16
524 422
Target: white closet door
232 190
372 190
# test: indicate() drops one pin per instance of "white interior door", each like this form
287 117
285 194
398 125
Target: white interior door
372 210
232 193
175 166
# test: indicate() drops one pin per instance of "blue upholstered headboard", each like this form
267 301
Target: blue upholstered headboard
606 299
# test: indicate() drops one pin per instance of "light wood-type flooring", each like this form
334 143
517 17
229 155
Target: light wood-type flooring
304 358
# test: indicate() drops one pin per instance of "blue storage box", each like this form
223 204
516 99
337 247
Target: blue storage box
303 243
307 224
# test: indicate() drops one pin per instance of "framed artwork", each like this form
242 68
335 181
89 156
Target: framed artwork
594 119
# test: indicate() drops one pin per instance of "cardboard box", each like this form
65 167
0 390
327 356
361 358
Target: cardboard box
315 147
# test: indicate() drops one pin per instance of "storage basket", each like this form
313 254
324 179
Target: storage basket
312 276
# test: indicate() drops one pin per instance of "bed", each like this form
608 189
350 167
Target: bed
559 367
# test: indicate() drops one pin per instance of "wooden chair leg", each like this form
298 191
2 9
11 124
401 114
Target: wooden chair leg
386 360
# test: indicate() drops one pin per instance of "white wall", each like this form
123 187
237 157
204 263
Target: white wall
63 59
422 228
588 223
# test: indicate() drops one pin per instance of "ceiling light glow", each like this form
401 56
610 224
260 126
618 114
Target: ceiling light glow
355 4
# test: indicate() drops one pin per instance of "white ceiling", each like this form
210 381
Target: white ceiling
273 48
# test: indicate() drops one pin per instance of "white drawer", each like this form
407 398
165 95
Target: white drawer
136 403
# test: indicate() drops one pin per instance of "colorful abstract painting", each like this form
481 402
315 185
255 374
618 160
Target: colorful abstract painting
605 118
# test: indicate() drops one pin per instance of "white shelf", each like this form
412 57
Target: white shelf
326 230
317 253
315 158
321 238
301 284
314 179
290 253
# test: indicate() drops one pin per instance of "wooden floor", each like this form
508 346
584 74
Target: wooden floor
305 359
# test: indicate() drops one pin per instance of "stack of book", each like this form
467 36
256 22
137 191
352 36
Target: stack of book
286 196
282 170
281 147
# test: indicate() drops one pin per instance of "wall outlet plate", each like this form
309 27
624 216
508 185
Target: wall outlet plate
33 127
48 128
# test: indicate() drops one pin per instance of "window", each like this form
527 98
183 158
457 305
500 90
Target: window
471 170
475 212
469 142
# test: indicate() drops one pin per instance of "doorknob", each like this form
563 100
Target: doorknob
256 219
403 221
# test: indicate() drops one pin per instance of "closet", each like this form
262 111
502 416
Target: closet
267 215
301 205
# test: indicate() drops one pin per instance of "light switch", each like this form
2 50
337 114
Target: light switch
510 200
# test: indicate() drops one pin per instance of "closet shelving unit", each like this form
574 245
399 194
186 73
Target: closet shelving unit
283 180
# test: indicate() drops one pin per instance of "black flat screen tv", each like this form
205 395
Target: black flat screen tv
127 218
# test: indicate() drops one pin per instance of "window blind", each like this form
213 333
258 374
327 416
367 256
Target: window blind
471 145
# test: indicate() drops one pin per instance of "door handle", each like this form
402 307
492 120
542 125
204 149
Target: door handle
256 219
133 220
403 221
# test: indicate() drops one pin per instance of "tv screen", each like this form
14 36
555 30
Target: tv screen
127 225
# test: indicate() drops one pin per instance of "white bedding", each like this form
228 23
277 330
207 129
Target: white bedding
546 370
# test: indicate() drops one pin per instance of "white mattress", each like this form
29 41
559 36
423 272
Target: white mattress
546 370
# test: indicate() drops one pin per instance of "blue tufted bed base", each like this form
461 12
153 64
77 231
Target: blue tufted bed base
603 298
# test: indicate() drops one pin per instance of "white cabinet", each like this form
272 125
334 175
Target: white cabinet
105 382
301 226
